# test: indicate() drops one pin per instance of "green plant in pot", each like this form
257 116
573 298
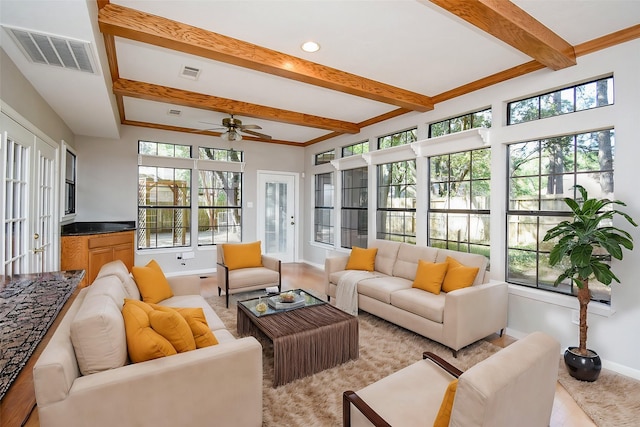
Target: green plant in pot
587 242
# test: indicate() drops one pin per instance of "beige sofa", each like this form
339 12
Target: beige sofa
455 319
83 377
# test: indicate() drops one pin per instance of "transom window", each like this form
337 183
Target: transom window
399 138
162 149
220 154
396 211
580 97
458 124
459 200
357 148
541 174
326 157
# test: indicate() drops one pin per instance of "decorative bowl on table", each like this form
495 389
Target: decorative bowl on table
287 297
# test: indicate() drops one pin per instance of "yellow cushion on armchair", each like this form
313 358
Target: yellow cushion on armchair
242 255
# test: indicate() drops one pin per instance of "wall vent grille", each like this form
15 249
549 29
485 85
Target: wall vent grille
190 72
54 50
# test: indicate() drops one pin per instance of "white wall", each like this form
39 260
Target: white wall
108 176
613 330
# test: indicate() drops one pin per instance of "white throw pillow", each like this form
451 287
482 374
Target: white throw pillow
98 335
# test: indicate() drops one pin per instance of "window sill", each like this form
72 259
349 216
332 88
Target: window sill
596 308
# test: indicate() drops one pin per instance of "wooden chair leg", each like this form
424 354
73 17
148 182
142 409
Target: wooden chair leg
501 332
219 291
227 297
455 353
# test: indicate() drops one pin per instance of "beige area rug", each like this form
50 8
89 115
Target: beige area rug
613 400
317 400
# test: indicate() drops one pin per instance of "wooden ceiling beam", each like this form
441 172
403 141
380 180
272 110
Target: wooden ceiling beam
507 22
136 25
158 93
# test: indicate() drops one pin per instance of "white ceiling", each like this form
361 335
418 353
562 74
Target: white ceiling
413 45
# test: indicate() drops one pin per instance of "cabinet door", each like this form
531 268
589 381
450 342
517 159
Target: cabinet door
124 253
97 258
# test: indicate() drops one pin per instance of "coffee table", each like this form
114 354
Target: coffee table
306 339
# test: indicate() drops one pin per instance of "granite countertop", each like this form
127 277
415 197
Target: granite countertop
98 227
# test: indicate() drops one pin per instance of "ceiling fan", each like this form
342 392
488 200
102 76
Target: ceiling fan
233 127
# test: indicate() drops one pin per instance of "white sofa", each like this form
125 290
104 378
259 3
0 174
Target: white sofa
455 319
218 385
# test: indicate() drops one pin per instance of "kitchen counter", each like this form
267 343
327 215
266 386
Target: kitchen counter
98 227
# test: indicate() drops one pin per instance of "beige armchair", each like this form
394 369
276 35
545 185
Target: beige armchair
235 280
514 387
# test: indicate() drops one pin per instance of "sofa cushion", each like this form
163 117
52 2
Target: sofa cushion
118 269
386 256
424 304
466 259
444 414
193 301
170 324
143 343
458 276
362 259
380 288
110 286
98 335
152 283
242 255
252 276
429 276
408 257
200 330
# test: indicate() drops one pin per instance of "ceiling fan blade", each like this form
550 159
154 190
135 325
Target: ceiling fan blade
258 134
243 127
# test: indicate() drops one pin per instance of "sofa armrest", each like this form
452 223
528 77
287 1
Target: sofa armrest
331 265
221 384
271 263
474 312
183 286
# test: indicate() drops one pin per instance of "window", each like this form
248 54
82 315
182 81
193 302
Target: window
220 154
398 138
69 183
357 148
326 157
164 207
396 212
354 226
458 124
541 174
164 149
219 207
323 223
584 96
459 199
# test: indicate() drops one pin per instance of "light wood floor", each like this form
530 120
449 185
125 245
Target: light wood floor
566 413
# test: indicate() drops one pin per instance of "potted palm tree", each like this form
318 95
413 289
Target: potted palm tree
588 241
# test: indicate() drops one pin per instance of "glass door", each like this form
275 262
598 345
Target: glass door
277 222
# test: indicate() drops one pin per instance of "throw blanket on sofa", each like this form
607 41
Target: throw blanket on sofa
347 292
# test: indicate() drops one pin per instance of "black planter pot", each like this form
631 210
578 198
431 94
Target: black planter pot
583 368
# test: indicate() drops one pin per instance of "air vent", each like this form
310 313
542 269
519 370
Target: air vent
54 50
190 72
174 112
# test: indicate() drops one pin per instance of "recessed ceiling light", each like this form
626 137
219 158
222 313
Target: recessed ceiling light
310 46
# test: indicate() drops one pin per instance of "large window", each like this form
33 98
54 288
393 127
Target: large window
354 224
323 216
580 97
399 138
396 212
219 207
459 187
458 124
164 207
541 174
69 183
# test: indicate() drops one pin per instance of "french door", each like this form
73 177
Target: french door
277 214
29 201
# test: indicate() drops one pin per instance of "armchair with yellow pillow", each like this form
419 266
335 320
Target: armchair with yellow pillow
241 267
442 294
513 387
146 350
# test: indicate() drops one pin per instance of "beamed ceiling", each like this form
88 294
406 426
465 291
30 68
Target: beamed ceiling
378 59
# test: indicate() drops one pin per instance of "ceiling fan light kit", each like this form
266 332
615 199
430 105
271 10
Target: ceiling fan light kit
231 135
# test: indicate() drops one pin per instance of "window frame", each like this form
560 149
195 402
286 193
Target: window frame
348 209
462 117
397 213
323 221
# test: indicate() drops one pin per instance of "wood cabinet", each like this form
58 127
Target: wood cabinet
90 252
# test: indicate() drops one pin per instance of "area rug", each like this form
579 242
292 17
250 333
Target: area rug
28 307
317 400
613 400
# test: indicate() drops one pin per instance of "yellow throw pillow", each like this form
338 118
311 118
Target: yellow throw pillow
362 259
242 255
152 283
199 326
170 324
458 276
429 276
444 414
143 343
